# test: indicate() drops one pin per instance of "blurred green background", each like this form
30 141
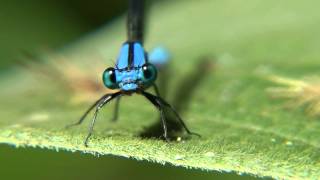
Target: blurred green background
36 25
42 164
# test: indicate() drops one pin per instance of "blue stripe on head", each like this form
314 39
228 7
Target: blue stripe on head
122 61
139 55
130 71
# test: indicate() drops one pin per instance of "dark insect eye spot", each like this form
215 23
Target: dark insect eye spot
109 78
112 75
149 73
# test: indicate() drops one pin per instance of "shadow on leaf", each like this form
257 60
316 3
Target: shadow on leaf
181 100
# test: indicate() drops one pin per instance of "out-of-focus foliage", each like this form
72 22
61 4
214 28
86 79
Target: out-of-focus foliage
43 164
36 25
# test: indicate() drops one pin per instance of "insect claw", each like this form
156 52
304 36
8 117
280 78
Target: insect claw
86 141
166 138
70 125
195 134
86 144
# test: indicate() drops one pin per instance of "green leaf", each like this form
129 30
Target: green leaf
242 129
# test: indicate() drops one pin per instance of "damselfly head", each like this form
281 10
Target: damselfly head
130 79
132 70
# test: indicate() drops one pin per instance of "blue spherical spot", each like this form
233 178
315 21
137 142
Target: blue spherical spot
159 56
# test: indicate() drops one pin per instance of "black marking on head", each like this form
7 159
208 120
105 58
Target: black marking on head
146 57
131 55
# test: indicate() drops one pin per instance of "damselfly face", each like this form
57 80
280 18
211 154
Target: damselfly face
132 70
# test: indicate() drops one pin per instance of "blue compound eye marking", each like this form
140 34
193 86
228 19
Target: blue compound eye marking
133 73
109 78
138 55
132 55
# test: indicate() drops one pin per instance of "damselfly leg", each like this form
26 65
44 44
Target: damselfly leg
98 105
160 104
88 111
116 109
156 90
101 103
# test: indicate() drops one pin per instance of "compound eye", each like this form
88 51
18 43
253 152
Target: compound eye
109 78
149 73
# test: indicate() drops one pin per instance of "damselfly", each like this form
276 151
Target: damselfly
133 73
